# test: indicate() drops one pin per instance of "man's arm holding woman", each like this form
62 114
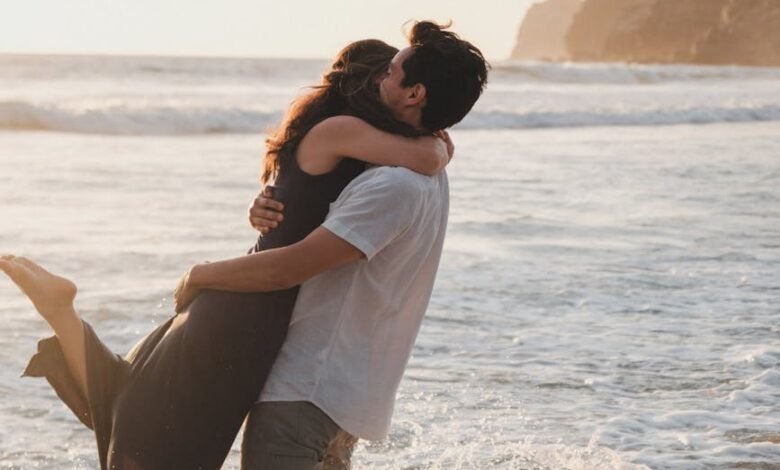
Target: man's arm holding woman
268 270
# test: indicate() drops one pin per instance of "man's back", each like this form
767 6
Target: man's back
353 328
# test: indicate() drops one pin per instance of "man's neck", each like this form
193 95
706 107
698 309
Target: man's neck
413 117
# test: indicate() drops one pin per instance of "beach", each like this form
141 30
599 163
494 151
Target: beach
608 293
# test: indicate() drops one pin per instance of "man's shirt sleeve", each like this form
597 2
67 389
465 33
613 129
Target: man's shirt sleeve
375 209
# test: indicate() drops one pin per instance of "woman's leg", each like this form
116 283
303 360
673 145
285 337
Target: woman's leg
53 297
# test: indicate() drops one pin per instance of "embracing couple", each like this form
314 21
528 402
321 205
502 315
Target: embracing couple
309 333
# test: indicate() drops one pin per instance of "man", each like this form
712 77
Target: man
369 272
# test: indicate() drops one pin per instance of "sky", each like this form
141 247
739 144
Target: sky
243 28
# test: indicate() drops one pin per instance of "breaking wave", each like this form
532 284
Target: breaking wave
169 120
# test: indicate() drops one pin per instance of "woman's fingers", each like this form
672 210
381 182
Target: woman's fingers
445 136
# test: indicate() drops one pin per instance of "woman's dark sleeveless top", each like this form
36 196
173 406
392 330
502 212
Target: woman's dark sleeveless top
306 200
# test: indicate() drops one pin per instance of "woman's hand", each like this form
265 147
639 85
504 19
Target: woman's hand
445 136
265 214
184 293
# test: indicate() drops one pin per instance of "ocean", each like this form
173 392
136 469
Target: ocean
609 294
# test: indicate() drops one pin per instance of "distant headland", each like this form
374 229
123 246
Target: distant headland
717 32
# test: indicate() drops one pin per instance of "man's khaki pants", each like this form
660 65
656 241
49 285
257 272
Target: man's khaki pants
294 435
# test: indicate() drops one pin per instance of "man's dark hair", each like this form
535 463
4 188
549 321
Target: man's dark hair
453 71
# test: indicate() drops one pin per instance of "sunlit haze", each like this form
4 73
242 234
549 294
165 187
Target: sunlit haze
293 28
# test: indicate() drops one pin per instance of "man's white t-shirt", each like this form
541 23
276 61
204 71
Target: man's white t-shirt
353 328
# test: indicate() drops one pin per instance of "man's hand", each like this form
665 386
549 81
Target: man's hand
265 214
184 293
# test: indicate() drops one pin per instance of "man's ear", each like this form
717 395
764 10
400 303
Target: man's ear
417 94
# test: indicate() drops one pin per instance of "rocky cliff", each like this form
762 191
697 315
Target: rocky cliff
749 34
542 35
745 32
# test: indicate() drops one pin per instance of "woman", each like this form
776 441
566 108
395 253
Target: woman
178 399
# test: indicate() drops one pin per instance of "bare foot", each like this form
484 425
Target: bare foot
52 295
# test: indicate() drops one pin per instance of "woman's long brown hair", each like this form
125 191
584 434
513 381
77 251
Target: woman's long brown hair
349 88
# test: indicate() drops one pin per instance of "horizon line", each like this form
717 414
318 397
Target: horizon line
150 55
178 55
